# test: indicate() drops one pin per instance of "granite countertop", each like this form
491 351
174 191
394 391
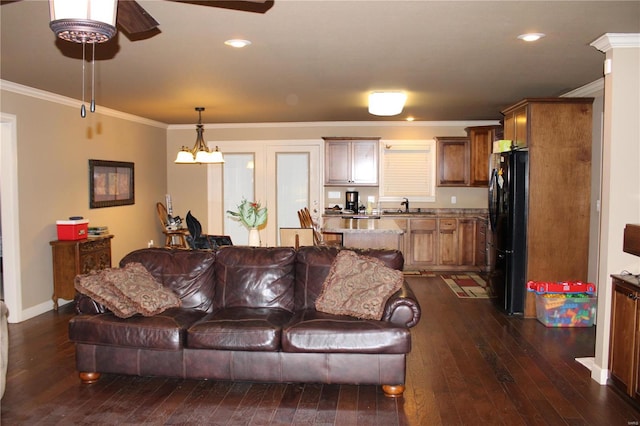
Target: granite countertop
629 278
347 225
424 212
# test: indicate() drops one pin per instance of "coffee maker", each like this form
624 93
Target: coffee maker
351 201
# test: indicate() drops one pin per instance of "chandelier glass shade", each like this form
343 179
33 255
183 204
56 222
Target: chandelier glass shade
83 21
200 154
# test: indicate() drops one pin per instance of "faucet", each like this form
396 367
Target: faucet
405 203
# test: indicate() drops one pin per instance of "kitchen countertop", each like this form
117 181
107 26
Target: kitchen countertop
341 225
413 213
634 280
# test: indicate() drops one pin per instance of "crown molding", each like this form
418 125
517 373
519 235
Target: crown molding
616 40
589 89
20 89
368 124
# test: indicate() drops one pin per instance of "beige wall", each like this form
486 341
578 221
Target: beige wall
620 179
188 183
54 145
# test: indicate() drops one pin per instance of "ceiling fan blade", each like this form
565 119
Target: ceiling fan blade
256 6
133 19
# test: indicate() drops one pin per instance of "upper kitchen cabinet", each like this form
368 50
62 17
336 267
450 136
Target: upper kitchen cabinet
481 140
515 125
453 156
351 161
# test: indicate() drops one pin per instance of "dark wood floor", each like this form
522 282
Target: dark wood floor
470 365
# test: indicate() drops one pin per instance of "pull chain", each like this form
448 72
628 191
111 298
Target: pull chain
83 109
93 79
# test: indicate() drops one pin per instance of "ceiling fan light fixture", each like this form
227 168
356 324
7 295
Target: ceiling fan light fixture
237 43
386 103
200 154
83 21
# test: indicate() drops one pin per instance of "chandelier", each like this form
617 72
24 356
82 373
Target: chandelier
200 152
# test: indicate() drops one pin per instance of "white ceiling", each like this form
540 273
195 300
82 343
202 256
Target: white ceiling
317 60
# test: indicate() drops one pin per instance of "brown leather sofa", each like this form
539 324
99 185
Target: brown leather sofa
248 314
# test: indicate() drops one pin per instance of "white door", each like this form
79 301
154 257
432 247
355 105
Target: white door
284 176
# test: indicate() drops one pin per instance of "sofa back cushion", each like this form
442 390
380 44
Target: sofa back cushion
314 262
188 273
255 277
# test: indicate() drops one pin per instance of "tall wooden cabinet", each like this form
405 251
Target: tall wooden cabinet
558 138
624 346
351 161
71 258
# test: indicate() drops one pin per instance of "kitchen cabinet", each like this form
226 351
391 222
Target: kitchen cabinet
624 344
467 242
558 135
447 242
351 161
423 242
515 126
481 140
71 258
453 161
482 244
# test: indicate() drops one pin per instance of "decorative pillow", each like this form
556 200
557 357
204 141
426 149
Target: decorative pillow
94 286
137 285
358 286
127 291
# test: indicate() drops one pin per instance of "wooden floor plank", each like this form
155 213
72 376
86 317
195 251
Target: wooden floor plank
470 364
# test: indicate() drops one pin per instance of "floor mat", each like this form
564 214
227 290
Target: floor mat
467 286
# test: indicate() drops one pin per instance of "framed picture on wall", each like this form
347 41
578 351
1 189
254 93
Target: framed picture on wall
111 183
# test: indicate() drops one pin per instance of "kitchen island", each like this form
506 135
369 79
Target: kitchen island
366 233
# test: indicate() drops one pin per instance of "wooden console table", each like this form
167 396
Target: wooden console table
71 258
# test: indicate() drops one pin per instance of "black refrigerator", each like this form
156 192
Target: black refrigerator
508 198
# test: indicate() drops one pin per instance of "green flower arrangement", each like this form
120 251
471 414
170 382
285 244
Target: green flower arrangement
250 214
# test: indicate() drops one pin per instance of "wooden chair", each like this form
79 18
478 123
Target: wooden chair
307 222
174 238
296 237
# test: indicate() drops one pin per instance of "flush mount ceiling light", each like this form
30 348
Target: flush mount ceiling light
386 103
200 152
237 43
531 36
84 21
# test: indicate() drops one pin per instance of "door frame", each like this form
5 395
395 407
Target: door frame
10 216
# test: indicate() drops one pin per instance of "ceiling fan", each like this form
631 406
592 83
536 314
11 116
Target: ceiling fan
134 19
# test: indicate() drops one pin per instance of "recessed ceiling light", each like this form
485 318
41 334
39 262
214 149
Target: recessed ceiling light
410 118
531 36
237 43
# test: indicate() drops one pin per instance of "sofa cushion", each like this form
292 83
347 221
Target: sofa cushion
314 262
127 291
358 286
254 277
244 329
313 331
162 331
188 273
93 285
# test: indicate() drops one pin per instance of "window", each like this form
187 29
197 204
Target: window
407 169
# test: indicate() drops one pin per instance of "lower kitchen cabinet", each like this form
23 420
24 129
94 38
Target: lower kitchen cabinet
444 243
447 242
624 346
423 242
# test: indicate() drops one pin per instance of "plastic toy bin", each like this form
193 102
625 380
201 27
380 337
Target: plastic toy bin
72 229
565 304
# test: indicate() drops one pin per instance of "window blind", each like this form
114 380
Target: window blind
408 170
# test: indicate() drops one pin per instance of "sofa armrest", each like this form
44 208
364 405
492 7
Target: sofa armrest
86 305
402 308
